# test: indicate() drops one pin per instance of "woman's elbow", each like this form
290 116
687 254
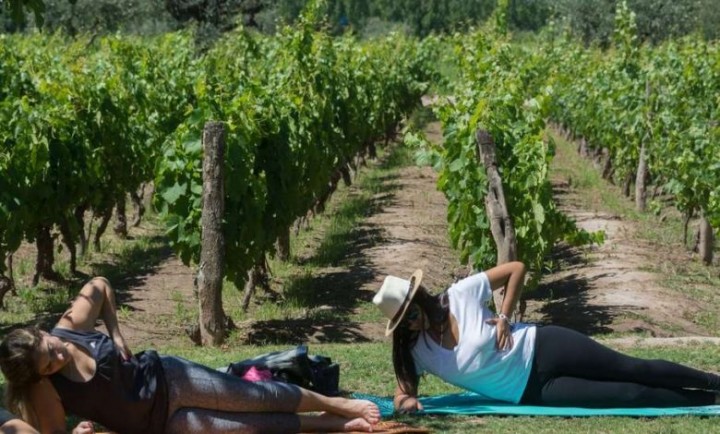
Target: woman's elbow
519 267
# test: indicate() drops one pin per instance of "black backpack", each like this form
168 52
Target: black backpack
316 373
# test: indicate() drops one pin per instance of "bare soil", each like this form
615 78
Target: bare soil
597 290
611 288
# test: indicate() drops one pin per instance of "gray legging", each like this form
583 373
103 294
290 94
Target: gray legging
202 400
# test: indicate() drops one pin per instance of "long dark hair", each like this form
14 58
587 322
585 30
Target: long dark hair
436 309
18 362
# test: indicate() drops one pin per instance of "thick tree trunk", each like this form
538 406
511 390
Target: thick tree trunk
254 277
687 215
6 285
80 222
372 151
583 148
501 224
258 276
345 171
320 202
210 276
45 255
69 240
120 227
282 246
106 215
627 182
607 166
706 240
137 200
11 271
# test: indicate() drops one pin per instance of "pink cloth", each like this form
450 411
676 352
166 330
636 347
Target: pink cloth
255 374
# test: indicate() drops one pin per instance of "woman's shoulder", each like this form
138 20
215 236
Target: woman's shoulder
474 283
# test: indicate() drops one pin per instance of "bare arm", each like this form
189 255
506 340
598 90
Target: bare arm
510 276
96 300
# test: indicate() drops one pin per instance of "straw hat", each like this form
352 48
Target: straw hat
394 298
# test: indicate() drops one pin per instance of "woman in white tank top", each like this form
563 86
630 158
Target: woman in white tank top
455 336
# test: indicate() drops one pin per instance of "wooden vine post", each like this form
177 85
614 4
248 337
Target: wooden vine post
642 170
501 224
210 274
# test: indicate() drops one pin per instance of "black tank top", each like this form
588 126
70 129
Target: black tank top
128 397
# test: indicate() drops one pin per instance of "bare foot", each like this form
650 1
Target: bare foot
334 423
358 424
359 408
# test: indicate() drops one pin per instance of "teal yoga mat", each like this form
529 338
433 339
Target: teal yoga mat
472 404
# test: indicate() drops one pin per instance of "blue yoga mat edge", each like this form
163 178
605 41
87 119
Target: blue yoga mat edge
472 404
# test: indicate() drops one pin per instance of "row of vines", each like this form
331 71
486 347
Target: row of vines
82 126
86 123
651 114
501 89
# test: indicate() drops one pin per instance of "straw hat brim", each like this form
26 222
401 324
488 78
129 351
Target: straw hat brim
415 281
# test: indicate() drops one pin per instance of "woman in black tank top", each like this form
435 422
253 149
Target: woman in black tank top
78 370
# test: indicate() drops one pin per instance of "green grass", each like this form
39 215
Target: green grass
329 241
117 260
366 368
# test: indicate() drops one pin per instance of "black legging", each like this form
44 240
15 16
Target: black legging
572 370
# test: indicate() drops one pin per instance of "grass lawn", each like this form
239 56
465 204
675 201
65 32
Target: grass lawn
367 368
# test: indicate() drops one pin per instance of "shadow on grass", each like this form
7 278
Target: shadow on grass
331 295
132 266
566 304
336 292
330 299
294 331
344 240
125 270
567 300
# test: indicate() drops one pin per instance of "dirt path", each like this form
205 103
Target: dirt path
606 289
610 288
598 290
152 303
